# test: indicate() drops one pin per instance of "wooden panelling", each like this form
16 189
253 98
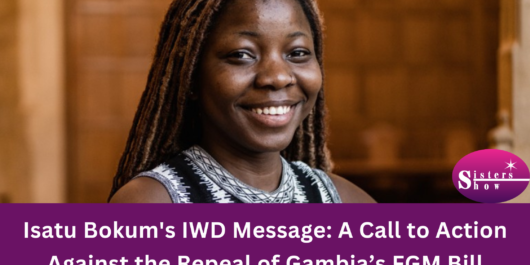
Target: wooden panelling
13 152
110 44
420 67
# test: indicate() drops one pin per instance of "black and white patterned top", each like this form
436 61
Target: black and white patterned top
194 176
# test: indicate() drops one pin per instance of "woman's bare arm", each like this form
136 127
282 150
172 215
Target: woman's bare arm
142 190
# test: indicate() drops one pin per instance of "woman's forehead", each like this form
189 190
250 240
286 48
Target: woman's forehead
260 15
255 5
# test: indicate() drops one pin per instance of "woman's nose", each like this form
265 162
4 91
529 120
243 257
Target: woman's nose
274 73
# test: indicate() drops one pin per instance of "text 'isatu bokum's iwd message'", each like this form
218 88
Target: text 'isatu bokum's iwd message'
305 234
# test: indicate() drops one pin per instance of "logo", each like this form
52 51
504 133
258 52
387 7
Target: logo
491 176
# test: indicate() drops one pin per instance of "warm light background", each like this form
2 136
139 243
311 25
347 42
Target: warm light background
412 86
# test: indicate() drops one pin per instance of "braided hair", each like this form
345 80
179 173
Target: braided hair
164 122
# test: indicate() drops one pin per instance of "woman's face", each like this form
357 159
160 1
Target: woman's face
258 75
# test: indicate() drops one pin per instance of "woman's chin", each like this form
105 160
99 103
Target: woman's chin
270 144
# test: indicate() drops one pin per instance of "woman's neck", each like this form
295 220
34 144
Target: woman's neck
259 170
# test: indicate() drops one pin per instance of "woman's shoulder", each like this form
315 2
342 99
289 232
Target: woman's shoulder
142 190
157 185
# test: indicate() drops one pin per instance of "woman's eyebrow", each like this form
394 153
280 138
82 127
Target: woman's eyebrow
248 33
297 34
256 35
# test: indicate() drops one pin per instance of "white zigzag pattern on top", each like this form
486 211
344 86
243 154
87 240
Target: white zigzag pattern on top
216 173
299 195
221 184
171 181
219 195
329 185
325 193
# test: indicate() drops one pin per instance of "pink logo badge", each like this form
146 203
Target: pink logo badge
491 176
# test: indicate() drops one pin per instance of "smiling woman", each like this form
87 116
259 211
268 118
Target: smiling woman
234 109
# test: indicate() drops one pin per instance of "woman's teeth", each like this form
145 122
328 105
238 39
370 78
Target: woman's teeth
281 110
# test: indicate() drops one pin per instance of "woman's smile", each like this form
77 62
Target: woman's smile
273 114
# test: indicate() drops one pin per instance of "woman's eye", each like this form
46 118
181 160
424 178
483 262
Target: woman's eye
241 55
299 54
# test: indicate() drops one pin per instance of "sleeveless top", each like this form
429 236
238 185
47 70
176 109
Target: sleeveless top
194 176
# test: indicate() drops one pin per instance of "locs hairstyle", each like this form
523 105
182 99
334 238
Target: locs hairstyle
166 119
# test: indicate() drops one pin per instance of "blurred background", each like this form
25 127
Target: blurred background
412 86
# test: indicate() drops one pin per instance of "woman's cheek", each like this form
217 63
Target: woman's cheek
231 81
311 82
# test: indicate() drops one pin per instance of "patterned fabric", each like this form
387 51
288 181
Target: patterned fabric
196 177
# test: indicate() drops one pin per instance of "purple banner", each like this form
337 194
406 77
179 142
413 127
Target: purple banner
414 234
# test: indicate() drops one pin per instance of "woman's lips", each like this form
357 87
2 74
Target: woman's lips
272 116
